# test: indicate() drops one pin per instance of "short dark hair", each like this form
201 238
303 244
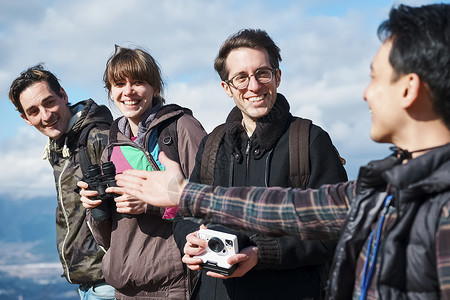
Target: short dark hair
29 77
421 44
136 64
246 38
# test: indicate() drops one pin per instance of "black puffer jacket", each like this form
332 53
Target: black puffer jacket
287 268
407 253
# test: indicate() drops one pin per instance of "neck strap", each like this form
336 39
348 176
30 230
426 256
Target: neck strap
405 154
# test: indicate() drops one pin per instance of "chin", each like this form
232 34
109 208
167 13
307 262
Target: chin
54 134
380 138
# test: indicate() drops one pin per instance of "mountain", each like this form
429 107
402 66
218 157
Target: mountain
29 263
27 230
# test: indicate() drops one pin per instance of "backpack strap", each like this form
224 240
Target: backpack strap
209 154
168 139
299 152
85 160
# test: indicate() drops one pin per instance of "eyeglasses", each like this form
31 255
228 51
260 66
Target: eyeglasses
241 81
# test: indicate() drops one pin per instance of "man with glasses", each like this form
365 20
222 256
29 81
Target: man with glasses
252 148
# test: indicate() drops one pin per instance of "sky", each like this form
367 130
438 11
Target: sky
326 49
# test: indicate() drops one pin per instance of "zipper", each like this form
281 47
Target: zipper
247 154
267 168
66 218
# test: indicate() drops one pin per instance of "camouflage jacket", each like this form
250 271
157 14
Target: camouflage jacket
80 255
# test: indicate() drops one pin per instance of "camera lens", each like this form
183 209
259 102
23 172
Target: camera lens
215 244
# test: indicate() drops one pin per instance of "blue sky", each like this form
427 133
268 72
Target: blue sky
326 46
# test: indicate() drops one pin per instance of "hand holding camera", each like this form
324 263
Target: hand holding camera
221 246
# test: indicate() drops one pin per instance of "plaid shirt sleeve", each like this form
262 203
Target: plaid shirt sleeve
443 251
310 214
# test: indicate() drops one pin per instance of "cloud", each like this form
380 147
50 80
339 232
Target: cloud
326 47
24 174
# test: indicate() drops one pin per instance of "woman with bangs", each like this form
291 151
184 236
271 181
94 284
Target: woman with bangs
142 260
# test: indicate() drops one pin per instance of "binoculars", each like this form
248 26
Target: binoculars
99 179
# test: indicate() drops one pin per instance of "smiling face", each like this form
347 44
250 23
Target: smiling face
132 98
257 99
45 110
384 95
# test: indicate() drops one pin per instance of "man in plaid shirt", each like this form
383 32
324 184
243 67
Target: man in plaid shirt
393 221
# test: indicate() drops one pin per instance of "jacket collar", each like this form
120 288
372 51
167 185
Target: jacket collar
152 118
85 112
268 130
147 117
426 174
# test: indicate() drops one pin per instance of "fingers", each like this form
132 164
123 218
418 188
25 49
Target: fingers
133 174
88 203
129 205
217 275
158 188
86 196
193 247
129 180
82 184
131 184
193 240
191 262
115 190
237 258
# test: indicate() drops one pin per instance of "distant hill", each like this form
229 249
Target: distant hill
29 263
31 224
13 288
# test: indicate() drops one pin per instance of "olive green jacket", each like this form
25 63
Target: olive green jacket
80 255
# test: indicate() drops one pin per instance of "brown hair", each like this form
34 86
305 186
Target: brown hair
136 64
246 38
29 77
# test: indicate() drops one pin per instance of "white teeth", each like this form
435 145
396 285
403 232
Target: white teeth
254 99
131 102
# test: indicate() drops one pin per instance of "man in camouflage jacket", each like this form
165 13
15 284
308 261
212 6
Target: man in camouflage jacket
43 103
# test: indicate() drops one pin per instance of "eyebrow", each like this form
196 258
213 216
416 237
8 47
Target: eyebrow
242 72
27 111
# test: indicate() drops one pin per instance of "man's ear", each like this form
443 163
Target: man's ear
278 77
227 89
411 89
25 119
64 95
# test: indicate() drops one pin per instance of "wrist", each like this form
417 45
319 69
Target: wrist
175 189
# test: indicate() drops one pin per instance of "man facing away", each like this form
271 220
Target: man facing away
253 148
43 103
393 221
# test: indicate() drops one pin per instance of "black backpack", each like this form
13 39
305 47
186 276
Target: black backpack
298 153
